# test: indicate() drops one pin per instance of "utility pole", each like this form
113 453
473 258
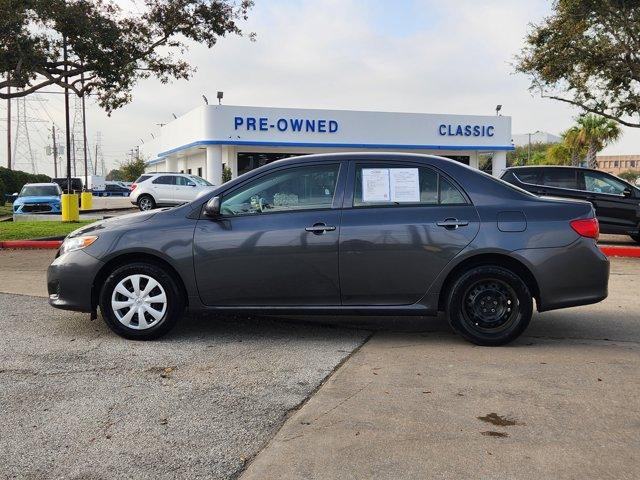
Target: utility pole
9 124
73 145
66 111
84 133
95 161
55 152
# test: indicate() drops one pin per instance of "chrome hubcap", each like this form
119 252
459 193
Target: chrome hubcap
145 204
139 302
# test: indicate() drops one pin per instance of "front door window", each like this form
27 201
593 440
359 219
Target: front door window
293 189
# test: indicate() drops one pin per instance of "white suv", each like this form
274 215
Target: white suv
153 190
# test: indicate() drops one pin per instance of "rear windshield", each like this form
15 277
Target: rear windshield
142 178
39 191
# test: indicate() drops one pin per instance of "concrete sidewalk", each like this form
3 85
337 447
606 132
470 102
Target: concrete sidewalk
562 402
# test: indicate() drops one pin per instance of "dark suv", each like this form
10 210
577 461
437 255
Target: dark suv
616 202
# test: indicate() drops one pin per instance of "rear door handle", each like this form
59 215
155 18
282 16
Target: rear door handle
452 223
320 228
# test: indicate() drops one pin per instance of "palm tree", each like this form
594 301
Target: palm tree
595 132
571 139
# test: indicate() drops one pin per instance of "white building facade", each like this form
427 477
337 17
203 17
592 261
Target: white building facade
242 138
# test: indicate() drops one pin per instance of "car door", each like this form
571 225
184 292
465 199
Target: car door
185 189
401 224
162 189
276 240
615 209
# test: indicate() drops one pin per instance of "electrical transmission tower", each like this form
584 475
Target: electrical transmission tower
23 154
99 156
77 132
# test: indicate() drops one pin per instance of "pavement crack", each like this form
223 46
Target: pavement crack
344 400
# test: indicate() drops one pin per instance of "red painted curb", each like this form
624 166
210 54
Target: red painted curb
620 251
51 244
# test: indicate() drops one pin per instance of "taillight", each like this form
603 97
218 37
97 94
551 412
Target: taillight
133 186
586 227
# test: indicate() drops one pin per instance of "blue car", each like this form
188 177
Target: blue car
38 198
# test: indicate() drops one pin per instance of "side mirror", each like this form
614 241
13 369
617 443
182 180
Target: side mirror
627 193
212 208
191 184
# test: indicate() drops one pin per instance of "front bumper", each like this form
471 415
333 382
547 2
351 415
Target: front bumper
70 281
568 276
36 208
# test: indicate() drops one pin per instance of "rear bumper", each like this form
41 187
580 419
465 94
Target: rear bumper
70 281
568 276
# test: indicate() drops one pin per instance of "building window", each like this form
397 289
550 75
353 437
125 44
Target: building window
248 161
189 171
200 171
181 171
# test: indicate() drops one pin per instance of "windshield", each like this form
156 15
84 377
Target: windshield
40 191
200 181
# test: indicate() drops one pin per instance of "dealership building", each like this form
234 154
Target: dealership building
201 141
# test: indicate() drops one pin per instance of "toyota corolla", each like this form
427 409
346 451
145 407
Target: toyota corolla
341 234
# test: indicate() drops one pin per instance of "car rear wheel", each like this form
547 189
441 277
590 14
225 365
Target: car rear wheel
489 305
146 202
141 301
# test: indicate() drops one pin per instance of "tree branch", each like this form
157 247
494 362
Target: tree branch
593 110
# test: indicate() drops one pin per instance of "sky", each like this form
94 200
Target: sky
404 55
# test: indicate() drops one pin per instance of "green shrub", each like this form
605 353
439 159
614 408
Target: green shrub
2 192
13 180
630 175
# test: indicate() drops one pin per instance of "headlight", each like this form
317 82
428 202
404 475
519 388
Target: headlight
77 243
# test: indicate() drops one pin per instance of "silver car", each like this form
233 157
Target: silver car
153 190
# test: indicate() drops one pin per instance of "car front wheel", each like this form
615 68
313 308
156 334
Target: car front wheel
141 301
146 202
489 305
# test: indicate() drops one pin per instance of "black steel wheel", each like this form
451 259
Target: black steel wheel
489 305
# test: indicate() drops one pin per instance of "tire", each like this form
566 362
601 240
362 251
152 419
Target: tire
635 238
158 317
473 296
146 203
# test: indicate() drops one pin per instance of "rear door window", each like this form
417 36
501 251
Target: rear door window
395 185
165 180
560 178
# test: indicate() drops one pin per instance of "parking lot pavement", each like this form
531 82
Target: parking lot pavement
25 271
79 402
624 240
561 402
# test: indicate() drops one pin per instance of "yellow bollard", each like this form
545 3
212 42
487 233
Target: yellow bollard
86 201
70 210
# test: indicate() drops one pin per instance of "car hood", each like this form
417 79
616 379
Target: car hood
114 222
43 199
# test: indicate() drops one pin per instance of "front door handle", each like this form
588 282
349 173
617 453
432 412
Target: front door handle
452 223
319 228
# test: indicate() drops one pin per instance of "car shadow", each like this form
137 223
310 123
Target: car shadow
571 324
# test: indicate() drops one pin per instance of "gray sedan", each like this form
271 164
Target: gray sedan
379 233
